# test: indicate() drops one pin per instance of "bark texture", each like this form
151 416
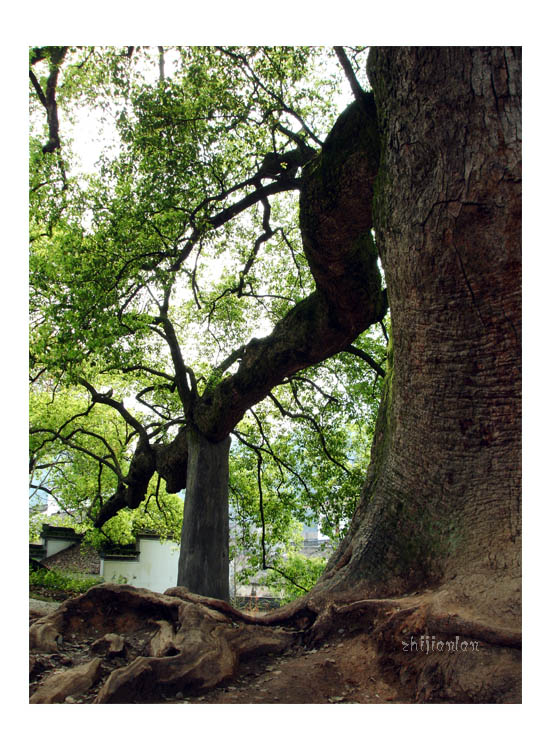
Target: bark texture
441 502
204 557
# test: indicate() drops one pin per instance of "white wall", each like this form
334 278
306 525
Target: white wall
53 546
156 569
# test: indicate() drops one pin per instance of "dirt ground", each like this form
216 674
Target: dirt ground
344 669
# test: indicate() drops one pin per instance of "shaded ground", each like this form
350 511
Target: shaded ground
341 671
344 669
118 644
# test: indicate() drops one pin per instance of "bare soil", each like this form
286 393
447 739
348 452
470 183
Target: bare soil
344 669
118 644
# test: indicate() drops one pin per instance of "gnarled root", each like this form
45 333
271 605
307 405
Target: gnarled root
173 641
444 656
153 645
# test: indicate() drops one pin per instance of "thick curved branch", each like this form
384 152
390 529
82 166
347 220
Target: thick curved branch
168 460
335 220
131 490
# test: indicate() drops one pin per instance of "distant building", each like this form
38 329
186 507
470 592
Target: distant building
59 548
150 562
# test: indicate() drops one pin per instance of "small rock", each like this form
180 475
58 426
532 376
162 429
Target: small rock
336 698
110 644
179 696
70 699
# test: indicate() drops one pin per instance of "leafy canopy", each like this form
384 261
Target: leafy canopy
150 273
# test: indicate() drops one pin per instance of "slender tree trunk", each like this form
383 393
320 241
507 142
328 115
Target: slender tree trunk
442 497
204 555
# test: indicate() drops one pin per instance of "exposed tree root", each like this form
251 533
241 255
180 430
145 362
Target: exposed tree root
177 640
139 644
443 656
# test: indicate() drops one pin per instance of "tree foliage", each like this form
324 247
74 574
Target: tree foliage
78 452
153 275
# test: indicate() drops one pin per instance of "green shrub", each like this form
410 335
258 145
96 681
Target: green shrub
56 581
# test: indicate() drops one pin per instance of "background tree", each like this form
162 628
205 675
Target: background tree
78 452
206 158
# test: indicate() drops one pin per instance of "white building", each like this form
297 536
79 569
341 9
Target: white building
153 564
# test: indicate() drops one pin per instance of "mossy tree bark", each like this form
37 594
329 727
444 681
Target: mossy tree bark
441 502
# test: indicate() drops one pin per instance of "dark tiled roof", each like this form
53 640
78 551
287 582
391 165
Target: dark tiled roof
76 559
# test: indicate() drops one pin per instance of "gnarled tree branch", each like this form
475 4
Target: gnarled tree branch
335 220
48 98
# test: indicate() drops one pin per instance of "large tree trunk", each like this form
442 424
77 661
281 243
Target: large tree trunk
441 503
204 554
